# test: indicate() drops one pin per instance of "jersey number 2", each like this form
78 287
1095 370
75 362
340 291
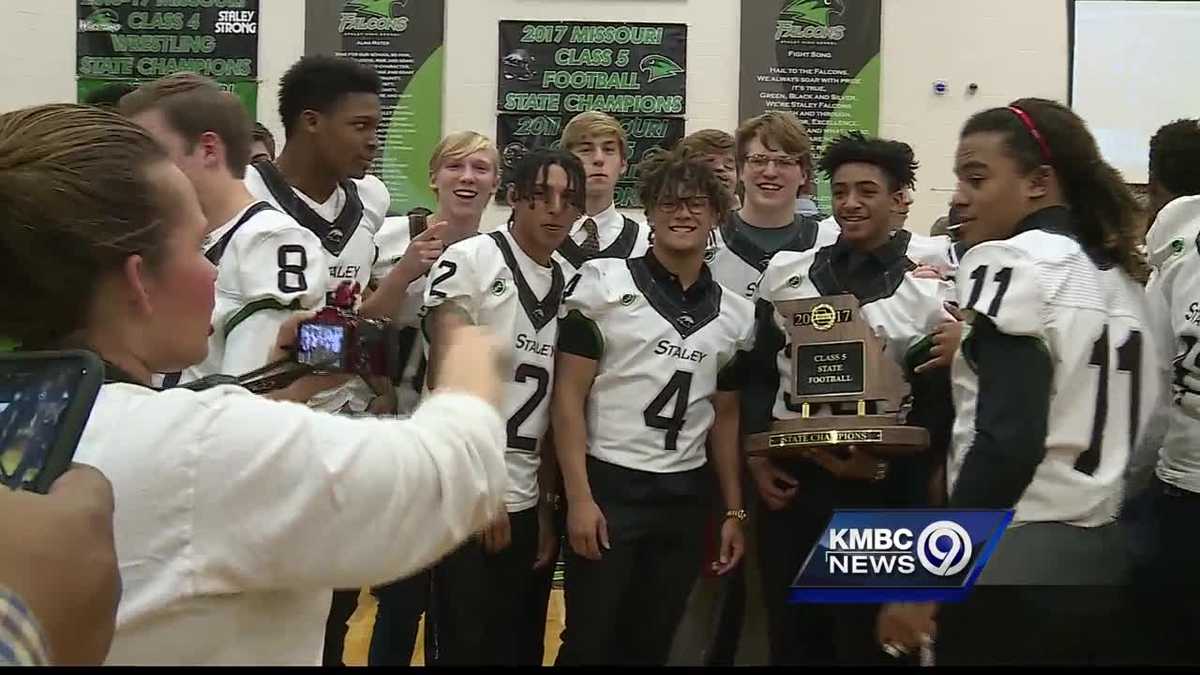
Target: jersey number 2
1129 360
677 388
526 372
292 262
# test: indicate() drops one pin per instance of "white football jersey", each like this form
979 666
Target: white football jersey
1092 320
345 223
267 267
498 286
393 240
1173 244
738 263
650 405
901 310
631 242
934 251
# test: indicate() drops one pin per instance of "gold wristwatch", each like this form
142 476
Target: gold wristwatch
740 514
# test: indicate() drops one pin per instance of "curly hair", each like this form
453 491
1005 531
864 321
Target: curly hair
670 173
894 158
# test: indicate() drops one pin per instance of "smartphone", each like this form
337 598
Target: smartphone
45 401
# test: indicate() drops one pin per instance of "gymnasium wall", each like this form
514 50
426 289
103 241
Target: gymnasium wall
1010 49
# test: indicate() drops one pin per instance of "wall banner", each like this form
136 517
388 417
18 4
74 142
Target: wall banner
816 58
551 71
141 41
403 40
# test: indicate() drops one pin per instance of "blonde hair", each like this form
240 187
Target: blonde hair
594 123
459 145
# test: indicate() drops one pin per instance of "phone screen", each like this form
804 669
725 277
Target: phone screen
35 399
322 345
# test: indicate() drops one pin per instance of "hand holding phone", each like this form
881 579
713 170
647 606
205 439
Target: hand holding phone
45 401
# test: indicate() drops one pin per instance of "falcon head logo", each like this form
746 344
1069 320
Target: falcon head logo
686 321
813 12
101 21
658 67
628 299
498 287
375 7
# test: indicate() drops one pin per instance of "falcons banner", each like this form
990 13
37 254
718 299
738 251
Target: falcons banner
551 71
816 58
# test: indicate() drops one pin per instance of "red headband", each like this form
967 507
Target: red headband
1033 131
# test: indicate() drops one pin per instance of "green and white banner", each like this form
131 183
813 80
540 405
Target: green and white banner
816 58
550 71
404 41
142 40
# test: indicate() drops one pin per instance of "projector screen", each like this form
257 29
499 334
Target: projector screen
1135 67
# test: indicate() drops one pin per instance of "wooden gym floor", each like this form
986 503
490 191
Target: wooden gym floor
358 638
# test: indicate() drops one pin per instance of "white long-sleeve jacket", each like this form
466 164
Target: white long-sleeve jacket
237 515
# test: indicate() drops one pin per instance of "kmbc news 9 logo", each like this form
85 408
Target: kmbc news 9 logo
873 556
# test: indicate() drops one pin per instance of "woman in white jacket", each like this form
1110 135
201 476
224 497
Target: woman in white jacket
236 515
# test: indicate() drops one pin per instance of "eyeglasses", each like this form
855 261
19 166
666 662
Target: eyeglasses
695 204
782 161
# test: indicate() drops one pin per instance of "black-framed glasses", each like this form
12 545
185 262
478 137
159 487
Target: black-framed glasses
758 161
696 204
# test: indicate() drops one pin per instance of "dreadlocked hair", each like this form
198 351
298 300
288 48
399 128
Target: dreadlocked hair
1104 211
530 171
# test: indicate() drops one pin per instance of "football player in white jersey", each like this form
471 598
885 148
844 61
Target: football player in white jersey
1173 245
508 281
868 178
463 175
600 143
648 371
268 266
330 112
1053 385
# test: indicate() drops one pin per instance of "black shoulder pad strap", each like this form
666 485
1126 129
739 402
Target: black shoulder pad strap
217 250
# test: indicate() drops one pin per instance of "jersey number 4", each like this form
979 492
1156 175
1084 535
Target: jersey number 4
677 389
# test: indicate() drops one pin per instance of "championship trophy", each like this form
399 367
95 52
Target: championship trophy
846 390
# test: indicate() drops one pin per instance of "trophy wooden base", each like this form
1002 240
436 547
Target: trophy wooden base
877 434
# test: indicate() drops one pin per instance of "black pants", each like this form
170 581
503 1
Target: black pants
484 606
397 620
812 634
624 608
340 610
1165 594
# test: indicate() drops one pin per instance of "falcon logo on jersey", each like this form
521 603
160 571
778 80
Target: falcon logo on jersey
794 282
710 254
686 321
498 287
822 317
665 348
628 299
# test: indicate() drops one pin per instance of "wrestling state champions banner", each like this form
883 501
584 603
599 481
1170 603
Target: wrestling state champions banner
550 71
143 40
818 59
